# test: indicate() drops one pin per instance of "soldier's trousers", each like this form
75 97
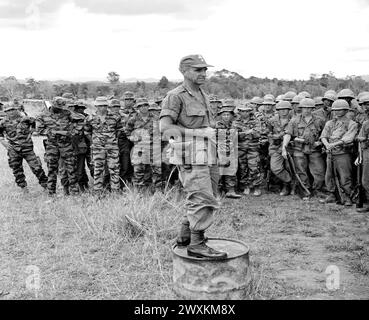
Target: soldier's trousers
315 164
227 183
56 150
365 172
278 167
126 168
144 174
15 160
111 157
343 169
200 182
249 168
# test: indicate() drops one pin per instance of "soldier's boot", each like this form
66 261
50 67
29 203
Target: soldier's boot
347 201
293 190
232 194
66 190
257 192
285 190
199 249
363 209
184 236
330 199
247 191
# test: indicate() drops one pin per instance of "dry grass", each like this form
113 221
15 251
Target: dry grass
85 249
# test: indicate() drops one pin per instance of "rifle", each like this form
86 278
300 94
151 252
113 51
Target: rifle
292 169
339 191
358 193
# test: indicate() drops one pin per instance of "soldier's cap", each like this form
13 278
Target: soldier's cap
141 102
226 109
269 102
269 96
257 100
307 103
10 106
159 99
340 105
283 105
318 101
229 103
59 102
114 103
305 94
128 95
214 98
245 107
154 107
80 105
195 61
279 98
364 99
101 102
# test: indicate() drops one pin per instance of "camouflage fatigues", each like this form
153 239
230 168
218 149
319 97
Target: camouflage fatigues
19 135
364 133
104 135
58 146
345 130
146 153
200 181
276 131
306 155
249 152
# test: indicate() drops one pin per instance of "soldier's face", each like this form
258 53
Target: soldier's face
115 110
102 109
129 103
339 113
144 109
327 103
268 107
214 106
12 113
196 75
244 114
226 117
283 112
306 111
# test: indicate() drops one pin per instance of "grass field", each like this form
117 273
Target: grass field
84 249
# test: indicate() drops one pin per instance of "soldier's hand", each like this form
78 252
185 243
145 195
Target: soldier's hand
361 139
358 161
329 146
284 152
317 144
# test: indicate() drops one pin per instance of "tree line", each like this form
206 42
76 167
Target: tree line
222 83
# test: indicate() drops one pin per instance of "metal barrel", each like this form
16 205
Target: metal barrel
207 279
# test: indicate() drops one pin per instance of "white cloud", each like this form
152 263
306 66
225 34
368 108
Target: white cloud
285 39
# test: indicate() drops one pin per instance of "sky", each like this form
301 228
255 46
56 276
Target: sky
82 40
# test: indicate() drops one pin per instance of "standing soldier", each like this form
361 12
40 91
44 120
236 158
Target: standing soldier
18 130
338 137
215 105
57 124
125 146
276 130
355 113
186 117
249 129
143 131
256 103
363 139
103 130
305 130
325 111
227 181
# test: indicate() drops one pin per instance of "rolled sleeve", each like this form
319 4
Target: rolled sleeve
349 136
171 107
290 128
326 131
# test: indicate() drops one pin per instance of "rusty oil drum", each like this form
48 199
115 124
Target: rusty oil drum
207 279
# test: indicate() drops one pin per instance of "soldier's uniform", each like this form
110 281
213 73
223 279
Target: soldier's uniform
59 146
340 130
276 130
193 154
125 145
104 136
18 131
146 153
249 167
228 179
306 146
363 138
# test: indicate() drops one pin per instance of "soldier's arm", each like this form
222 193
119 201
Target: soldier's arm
87 129
41 127
363 134
350 134
2 137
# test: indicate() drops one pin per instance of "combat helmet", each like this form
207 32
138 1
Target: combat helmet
319 101
305 94
281 105
364 98
340 105
307 103
288 96
245 107
346 93
329 95
257 100
296 99
154 107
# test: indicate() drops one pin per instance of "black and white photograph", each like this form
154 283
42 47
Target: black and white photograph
183 151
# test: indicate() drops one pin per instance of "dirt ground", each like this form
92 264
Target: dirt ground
80 248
